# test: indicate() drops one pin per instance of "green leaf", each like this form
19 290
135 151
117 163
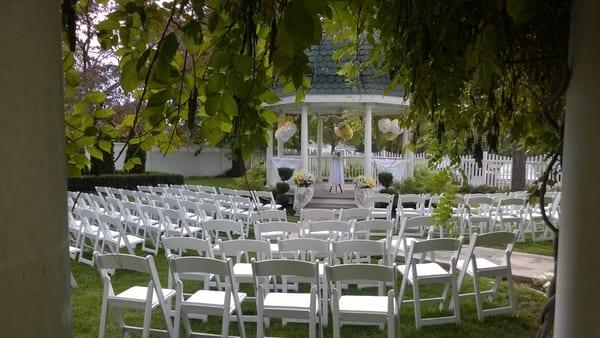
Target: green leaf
136 160
95 97
160 98
229 105
169 46
269 116
128 120
91 131
212 104
213 21
192 36
269 97
105 145
72 78
68 61
226 126
219 59
104 113
299 23
215 84
95 152
129 76
243 63
128 165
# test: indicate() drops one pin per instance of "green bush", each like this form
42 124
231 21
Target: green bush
385 179
285 173
121 181
253 179
282 188
481 189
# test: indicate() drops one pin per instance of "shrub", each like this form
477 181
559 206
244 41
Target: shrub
285 173
280 197
253 179
105 166
121 181
282 188
385 179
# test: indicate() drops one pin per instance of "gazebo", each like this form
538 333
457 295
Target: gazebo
329 94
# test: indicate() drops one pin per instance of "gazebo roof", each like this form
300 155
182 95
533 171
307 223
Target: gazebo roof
331 92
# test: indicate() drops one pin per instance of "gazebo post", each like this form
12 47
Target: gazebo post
280 145
319 147
368 120
269 157
304 137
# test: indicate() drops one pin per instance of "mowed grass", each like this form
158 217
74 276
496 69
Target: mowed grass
86 301
225 182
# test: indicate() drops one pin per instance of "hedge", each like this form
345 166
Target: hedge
121 181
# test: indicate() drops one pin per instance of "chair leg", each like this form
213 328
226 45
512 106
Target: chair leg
119 318
147 320
187 325
312 324
417 304
456 300
391 326
225 324
511 293
103 313
478 302
444 296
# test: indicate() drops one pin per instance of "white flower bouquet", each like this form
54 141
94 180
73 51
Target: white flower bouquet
363 181
303 178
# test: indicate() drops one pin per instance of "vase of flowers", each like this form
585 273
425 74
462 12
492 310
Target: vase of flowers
363 186
304 191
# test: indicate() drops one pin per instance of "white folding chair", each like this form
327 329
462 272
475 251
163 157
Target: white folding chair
354 214
411 230
374 228
173 224
535 222
223 229
274 232
478 214
380 212
316 215
416 272
146 298
363 309
90 234
299 306
270 215
265 200
415 207
177 246
206 302
331 230
228 191
510 215
152 229
115 236
478 267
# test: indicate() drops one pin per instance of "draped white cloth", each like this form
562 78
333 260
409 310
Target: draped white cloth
397 167
302 195
283 162
360 196
336 170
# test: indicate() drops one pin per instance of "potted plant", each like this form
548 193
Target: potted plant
304 191
362 188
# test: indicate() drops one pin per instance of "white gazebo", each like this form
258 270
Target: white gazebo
329 94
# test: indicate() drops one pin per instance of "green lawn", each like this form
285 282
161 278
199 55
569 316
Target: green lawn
86 300
225 182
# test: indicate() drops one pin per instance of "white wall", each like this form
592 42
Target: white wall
210 162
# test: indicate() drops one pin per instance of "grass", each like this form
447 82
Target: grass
225 182
86 300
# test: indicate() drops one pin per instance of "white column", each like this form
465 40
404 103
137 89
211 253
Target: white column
368 157
268 157
34 261
304 137
280 148
578 274
319 148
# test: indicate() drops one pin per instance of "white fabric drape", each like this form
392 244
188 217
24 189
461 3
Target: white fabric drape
302 195
360 196
397 167
336 170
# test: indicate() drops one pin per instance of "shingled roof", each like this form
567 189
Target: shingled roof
326 81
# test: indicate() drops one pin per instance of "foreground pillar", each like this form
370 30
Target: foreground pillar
34 263
268 158
319 148
578 291
368 159
304 137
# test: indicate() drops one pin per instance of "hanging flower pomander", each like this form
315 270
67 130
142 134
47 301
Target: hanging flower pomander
286 128
343 131
389 128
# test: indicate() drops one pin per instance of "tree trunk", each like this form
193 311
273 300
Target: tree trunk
518 179
238 167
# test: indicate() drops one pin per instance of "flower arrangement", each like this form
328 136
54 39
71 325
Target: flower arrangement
343 131
389 128
363 181
303 178
286 128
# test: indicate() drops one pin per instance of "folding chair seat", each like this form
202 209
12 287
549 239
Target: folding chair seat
354 214
192 187
380 212
265 200
478 267
331 230
274 232
146 298
223 303
363 309
416 272
356 251
297 306
228 191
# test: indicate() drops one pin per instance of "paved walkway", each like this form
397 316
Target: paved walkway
525 266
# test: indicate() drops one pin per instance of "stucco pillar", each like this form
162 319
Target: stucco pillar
34 262
319 148
368 157
304 137
578 291
280 145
